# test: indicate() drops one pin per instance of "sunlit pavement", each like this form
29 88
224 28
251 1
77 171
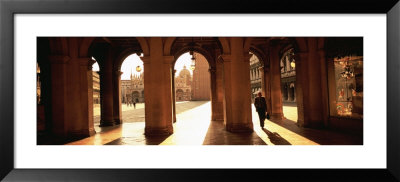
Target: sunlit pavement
193 127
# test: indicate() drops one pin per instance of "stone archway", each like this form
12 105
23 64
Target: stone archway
209 48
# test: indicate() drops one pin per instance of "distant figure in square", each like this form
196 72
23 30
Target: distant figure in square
261 108
134 104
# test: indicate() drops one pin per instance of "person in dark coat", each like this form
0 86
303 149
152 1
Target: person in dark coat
261 108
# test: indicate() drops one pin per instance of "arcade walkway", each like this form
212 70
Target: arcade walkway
194 128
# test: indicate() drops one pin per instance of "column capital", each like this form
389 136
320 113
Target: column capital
86 61
59 59
226 57
247 57
212 70
168 59
145 59
118 72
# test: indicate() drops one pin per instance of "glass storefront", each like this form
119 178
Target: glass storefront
349 86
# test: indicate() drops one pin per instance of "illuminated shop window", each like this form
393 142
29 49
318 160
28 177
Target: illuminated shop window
38 85
349 86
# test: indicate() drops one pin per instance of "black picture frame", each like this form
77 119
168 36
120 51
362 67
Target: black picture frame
9 8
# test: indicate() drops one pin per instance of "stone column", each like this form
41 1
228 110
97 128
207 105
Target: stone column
332 87
168 91
117 104
107 86
294 92
59 94
301 78
218 115
158 90
237 102
288 92
214 96
85 125
267 87
275 77
311 91
324 87
262 77
173 95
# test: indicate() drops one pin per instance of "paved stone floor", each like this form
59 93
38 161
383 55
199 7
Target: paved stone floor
193 127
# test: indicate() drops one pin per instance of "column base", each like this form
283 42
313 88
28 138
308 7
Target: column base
277 116
242 128
311 124
218 120
79 134
106 123
300 123
217 117
118 121
158 131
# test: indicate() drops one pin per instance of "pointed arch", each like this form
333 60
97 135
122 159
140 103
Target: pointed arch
167 45
144 45
247 44
200 50
121 57
225 45
84 47
260 55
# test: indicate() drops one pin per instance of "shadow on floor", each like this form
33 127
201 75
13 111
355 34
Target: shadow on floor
44 138
275 138
148 140
217 135
320 136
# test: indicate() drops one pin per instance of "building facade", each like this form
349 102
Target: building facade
288 76
183 85
96 88
255 76
133 89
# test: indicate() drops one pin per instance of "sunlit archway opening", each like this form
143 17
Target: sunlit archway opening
96 94
288 84
132 89
192 93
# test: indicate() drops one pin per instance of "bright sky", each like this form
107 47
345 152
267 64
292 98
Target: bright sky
131 62
183 60
129 66
95 67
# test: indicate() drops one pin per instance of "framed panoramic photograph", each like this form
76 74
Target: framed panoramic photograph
145 91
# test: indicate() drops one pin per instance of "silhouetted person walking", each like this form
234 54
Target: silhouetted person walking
134 104
261 108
